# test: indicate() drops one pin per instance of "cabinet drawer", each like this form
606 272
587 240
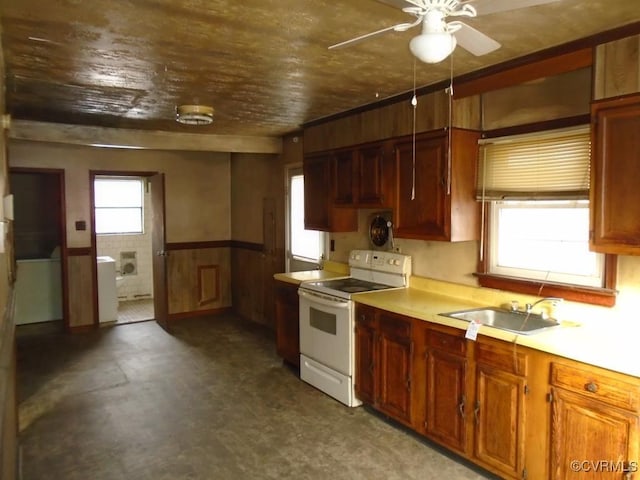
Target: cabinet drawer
509 357
596 384
447 342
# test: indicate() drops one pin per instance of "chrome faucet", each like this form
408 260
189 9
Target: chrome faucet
554 301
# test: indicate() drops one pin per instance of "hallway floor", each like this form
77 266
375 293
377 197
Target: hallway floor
210 401
130 311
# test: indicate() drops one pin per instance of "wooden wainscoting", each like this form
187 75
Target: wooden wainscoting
198 278
208 284
81 294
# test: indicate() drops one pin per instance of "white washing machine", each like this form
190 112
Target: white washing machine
107 294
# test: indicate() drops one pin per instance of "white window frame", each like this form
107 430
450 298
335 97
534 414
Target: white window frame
136 207
596 279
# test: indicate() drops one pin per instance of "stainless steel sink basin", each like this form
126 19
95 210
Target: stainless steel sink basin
517 322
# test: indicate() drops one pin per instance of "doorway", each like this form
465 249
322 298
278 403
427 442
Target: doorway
39 248
122 231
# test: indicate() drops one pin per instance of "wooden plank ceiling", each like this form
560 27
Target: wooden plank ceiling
262 64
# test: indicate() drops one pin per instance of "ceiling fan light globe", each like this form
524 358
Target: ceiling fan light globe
432 47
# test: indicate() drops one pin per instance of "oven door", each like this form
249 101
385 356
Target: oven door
326 330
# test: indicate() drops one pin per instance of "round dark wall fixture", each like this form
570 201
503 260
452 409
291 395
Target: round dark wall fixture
379 231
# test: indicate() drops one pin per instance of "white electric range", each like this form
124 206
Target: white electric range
327 319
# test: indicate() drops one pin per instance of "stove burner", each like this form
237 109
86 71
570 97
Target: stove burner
354 289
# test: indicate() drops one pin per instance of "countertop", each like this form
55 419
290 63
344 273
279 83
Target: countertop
591 344
298 277
602 344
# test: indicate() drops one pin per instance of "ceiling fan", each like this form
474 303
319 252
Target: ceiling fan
439 38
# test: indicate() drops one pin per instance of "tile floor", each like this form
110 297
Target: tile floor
211 400
135 311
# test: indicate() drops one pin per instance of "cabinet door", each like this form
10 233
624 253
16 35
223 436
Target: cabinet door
421 205
344 165
319 213
588 430
394 365
288 324
446 400
371 177
615 196
366 341
317 192
500 418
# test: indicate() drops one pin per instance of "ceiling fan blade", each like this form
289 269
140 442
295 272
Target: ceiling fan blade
485 7
401 27
473 40
400 3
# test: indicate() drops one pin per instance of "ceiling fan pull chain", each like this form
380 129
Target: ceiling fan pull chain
450 92
414 103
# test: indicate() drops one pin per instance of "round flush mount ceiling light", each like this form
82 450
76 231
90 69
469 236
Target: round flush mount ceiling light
194 114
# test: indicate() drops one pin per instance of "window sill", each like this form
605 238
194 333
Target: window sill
595 296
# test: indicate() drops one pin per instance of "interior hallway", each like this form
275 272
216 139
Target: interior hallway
211 401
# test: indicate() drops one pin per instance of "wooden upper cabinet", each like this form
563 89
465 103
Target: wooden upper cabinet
615 176
363 177
344 168
435 191
319 211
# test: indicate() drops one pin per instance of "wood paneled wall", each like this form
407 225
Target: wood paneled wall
394 120
81 311
8 397
617 68
198 279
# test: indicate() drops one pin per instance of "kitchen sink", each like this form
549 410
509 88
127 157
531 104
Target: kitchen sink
512 321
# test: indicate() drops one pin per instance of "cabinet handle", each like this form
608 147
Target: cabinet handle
476 412
461 406
591 387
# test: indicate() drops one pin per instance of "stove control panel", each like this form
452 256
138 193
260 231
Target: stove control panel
381 261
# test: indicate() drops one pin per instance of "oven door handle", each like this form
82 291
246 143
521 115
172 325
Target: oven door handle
323 300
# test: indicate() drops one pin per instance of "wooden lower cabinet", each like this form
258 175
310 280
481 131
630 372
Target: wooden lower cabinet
517 412
287 317
366 341
442 364
499 417
384 362
394 366
595 422
499 412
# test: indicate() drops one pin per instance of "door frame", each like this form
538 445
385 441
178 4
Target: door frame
94 267
64 253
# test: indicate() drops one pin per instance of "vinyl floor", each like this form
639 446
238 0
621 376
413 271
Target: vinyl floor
211 400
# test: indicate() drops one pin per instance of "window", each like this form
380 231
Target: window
304 244
535 191
118 205
544 240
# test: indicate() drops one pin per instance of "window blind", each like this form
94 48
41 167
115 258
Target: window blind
540 166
